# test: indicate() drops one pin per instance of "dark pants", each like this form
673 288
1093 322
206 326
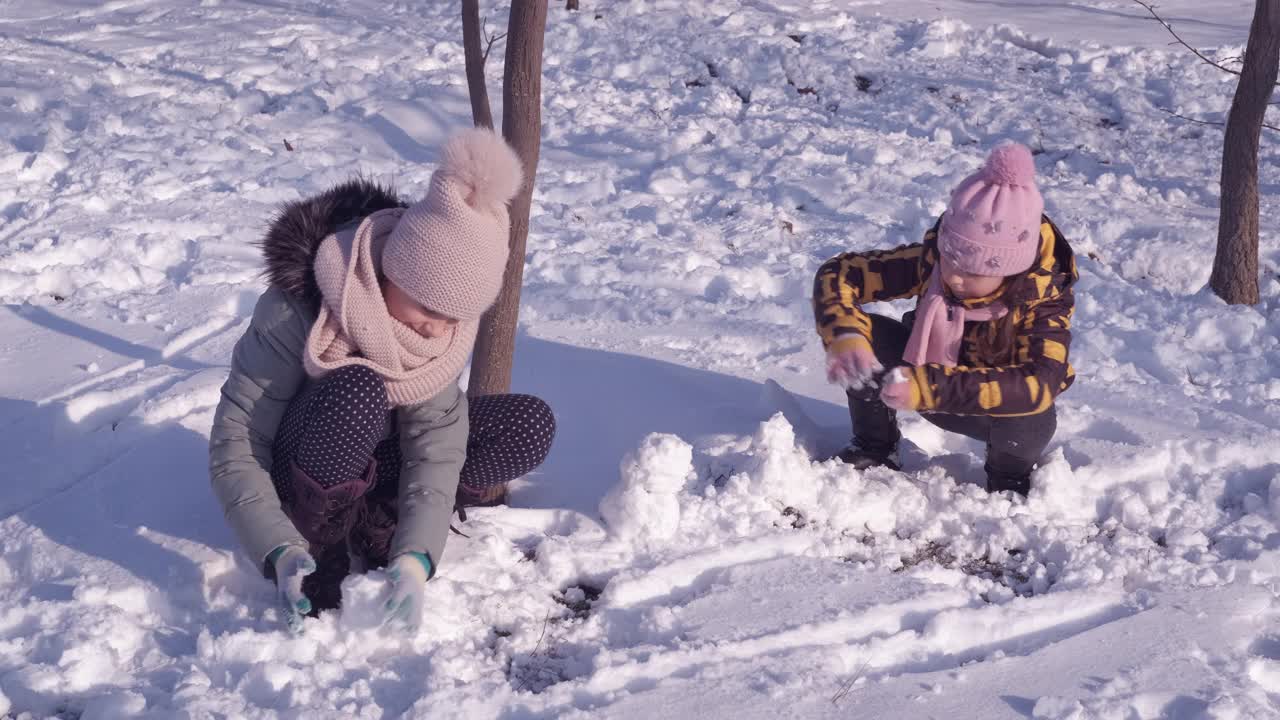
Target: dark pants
1014 444
337 468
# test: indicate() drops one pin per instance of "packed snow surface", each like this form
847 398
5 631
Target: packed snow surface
685 552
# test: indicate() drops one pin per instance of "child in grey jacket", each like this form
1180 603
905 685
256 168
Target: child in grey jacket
342 433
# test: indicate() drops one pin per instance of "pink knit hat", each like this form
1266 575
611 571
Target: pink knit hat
449 250
992 224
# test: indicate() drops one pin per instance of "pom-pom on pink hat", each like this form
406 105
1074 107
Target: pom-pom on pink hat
449 250
992 224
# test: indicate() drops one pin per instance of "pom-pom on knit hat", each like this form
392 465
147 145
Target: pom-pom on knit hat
449 250
992 224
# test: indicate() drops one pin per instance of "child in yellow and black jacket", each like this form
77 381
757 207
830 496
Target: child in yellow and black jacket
985 352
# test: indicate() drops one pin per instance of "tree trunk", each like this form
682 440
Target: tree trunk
481 115
1235 265
522 127
571 4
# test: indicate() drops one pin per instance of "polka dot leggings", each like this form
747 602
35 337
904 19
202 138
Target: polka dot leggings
337 470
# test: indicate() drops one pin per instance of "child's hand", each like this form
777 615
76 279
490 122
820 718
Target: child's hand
898 390
852 366
409 573
292 564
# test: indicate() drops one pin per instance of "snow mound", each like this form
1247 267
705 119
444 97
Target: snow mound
645 504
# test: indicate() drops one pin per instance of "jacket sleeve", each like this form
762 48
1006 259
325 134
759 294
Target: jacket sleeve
266 372
846 281
1027 387
433 447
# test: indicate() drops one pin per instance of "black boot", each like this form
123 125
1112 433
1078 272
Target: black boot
862 455
875 432
1006 471
998 481
490 496
324 586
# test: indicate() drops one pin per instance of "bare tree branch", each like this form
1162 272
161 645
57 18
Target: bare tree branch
1151 8
489 39
1197 121
1215 123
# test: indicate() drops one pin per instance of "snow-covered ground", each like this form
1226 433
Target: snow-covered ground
681 554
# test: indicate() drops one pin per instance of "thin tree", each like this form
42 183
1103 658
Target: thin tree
522 127
1235 264
474 37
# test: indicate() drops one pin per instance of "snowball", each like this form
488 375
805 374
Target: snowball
363 597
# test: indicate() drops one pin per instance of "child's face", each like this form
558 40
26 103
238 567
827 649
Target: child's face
427 323
966 285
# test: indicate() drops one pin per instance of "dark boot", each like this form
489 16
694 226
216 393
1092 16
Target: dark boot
324 586
324 516
875 425
375 527
481 497
1000 481
875 428
1014 447
862 455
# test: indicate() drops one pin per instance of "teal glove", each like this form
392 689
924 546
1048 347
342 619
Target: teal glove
408 573
291 564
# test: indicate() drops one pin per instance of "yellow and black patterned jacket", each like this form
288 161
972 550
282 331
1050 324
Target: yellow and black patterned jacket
1027 386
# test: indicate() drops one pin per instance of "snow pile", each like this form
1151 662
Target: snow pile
646 504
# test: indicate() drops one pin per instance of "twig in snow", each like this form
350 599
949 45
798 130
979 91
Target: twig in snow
538 644
806 90
536 647
844 689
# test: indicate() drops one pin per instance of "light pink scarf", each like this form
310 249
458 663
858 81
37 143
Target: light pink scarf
355 328
939 326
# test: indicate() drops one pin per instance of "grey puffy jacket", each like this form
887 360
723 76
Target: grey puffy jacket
267 372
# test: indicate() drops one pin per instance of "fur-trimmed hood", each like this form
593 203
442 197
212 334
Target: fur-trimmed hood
290 244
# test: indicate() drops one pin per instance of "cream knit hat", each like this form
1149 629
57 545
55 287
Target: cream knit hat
449 250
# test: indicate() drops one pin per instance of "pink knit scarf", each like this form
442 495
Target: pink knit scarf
355 328
939 326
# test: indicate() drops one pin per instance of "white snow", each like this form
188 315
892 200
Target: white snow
681 553
646 502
